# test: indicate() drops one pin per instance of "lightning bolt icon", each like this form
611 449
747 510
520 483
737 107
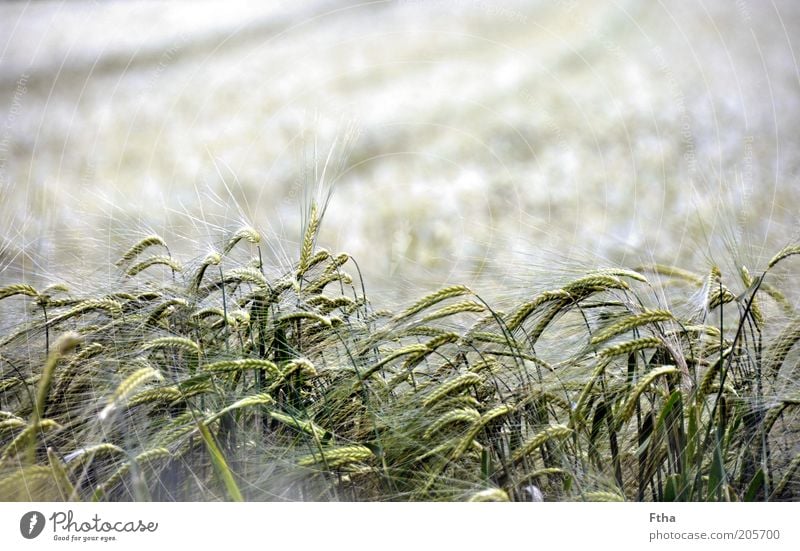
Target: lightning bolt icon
33 523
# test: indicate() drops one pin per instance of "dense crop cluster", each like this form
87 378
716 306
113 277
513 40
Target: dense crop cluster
216 381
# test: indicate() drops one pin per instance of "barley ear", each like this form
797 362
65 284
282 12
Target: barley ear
626 411
247 233
139 248
337 457
492 494
433 298
307 248
786 252
629 323
18 289
129 386
539 439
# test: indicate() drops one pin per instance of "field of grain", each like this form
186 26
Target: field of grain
400 250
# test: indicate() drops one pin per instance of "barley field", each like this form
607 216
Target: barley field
399 251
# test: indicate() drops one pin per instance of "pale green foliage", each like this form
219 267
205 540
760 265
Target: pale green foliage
233 382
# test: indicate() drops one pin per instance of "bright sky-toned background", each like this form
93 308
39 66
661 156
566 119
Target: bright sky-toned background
491 135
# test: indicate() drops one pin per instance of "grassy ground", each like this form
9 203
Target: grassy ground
226 378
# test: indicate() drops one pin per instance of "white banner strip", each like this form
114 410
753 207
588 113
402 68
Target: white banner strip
464 526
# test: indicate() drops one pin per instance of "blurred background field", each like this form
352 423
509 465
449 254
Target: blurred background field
483 139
